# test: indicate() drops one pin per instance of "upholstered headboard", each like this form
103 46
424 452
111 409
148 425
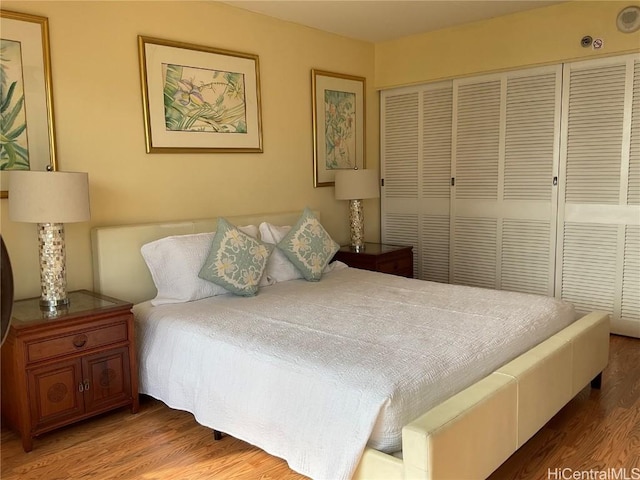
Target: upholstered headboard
118 267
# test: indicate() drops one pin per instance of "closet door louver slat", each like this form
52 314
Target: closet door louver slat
436 143
633 192
631 280
589 266
525 256
477 140
475 252
594 134
401 146
530 137
434 248
402 229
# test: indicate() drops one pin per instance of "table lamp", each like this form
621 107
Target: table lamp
356 185
50 199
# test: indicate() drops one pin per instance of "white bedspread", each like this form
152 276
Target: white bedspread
311 372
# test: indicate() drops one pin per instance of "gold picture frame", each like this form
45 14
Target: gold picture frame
339 124
198 99
28 99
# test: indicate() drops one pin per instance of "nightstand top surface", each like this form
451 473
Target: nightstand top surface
374 248
27 312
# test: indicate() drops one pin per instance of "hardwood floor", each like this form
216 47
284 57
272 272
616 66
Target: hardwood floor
596 430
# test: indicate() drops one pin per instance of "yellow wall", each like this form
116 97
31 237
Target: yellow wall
99 126
98 107
536 37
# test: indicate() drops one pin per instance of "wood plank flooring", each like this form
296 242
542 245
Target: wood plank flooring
596 430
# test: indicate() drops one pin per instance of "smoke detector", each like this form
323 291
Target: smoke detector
628 19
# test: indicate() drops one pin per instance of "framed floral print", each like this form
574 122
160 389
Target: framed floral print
199 99
338 104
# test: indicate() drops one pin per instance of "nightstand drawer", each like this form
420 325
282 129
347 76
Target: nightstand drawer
77 341
399 266
379 257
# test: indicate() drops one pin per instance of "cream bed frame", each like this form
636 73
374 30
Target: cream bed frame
467 436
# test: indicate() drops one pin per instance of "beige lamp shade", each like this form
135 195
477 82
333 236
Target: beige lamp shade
48 197
356 184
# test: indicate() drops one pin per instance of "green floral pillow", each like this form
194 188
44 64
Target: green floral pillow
308 246
236 260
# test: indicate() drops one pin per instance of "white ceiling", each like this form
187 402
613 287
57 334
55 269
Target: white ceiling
382 20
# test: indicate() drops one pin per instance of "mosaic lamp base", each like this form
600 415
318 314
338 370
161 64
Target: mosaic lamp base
356 222
53 269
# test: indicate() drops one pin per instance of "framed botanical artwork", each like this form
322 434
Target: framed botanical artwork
199 99
338 124
26 102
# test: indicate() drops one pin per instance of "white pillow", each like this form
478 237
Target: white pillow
175 261
279 267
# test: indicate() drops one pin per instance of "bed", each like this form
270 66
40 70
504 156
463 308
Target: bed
465 430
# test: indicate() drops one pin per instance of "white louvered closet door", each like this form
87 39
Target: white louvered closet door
416 168
598 251
505 157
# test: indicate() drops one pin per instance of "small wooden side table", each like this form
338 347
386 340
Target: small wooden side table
65 366
379 257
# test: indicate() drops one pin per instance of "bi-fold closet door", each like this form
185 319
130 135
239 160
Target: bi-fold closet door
416 173
468 168
598 248
504 167
526 181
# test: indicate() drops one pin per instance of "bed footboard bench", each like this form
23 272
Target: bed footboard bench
471 434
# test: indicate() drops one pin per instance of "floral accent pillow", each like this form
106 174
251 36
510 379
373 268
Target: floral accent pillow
174 263
308 246
236 261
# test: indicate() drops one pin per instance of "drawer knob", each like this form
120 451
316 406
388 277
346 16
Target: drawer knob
79 341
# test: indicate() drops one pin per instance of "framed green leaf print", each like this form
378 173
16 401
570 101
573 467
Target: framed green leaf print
199 99
27 140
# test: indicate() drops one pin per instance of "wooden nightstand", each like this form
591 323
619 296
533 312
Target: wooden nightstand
394 259
58 369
